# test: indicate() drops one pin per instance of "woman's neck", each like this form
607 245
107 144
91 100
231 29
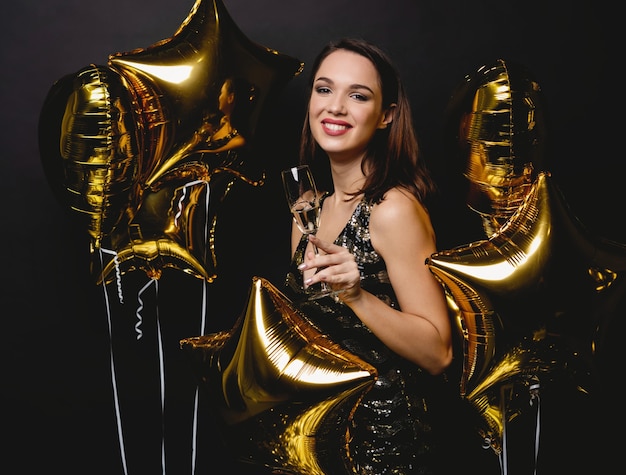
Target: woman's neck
347 179
224 130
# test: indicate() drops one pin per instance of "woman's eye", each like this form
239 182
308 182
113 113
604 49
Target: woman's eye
322 90
358 97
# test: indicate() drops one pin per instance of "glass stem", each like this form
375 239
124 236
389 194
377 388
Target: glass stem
324 285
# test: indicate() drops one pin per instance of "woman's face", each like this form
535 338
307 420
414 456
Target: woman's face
225 99
345 108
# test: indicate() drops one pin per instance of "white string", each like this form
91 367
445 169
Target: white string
160 343
116 402
504 434
138 329
194 438
161 374
534 396
503 454
118 273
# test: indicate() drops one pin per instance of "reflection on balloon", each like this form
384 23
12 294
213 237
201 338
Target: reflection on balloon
111 137
168 230
497 130
282 391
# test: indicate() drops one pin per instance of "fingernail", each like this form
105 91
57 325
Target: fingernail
308 281
301 266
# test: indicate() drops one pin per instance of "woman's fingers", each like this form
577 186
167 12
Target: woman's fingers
327 247
335 264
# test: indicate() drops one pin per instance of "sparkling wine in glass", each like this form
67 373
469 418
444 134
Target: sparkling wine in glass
304 203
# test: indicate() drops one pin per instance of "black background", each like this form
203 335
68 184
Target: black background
57 411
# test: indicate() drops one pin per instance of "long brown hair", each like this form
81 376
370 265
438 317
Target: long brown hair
245 99
392 157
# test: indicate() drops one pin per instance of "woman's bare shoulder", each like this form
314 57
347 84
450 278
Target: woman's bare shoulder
400 215
397 204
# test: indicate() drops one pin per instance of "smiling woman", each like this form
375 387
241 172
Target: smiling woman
375 234
55 348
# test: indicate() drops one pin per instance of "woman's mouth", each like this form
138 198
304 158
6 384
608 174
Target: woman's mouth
335 128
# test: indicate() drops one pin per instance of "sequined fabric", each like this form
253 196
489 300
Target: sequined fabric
390 432
213 144
226 159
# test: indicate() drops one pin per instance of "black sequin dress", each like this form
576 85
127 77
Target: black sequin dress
390 432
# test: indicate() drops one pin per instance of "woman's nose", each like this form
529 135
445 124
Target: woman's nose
336 106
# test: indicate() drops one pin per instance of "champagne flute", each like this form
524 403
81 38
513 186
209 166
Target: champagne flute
304 203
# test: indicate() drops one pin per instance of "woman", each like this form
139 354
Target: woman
374 236
235 103
222 140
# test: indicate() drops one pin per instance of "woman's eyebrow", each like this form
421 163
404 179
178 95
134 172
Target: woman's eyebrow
352 86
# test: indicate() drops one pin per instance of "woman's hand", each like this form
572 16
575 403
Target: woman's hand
337 267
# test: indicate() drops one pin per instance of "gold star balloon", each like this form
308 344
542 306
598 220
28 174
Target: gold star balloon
112 136
281 391
534 298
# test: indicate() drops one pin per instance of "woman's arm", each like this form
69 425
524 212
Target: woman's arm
402 234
